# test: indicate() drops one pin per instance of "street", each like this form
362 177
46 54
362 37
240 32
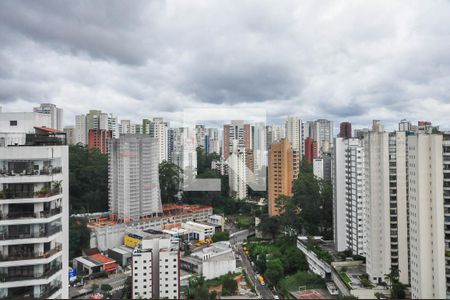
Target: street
117 282
263 291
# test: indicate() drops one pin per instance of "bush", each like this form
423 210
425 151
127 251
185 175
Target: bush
221 236
229 287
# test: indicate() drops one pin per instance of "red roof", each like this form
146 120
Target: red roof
48 129
102 259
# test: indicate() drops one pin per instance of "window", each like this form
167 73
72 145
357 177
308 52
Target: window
13 123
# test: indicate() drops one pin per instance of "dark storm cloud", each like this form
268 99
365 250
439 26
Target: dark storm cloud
335 59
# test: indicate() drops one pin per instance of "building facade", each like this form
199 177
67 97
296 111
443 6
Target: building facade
284 164
34 238
134 191
56 114
156 269
426 208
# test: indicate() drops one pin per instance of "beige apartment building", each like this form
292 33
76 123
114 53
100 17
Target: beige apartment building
284 164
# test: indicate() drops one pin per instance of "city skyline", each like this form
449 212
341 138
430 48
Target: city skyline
321 60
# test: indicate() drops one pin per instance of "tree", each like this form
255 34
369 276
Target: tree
106 287
197 288
88 180
169 181
261 263
274 270
294 260
269 225
397 288
221 236
79 236
229 287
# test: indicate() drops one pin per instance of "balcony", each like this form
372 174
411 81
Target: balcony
26 276
26 215
27 292
30 235
29 172
42 193
31 255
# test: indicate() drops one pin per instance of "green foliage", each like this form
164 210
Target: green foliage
79 236
197 288
127 289
88 184
269 226
292 282
294 260
229 287
169 181
322 254
221 236
398 290
106 287
204 160
274 270
261 263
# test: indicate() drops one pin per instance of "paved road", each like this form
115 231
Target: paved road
263 291
117 282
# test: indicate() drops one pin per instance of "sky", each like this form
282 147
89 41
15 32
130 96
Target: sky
341 60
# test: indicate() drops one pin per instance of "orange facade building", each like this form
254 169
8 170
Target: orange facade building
284 165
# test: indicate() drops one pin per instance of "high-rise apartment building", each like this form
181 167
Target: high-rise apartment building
125 127
80 130
398 202
259 146
426 213
34 228
293 132
213 140
56 114
345 130
238 171
321 131
113 126
158 130
70 135
100 139
322 167
156 269
348 195
134 191
377 210
284 164
238 131
446 185
184 153
311 150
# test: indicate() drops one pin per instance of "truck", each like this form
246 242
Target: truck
261 280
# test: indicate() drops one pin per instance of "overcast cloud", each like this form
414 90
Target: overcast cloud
342 60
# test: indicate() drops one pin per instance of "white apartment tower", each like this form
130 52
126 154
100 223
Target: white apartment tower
184 152
34 210
446 178
81 136
348 195
134 178
377 207
158 130
398 201
293 131
322 132
426 208
156 269
237 172
259 146
56 114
